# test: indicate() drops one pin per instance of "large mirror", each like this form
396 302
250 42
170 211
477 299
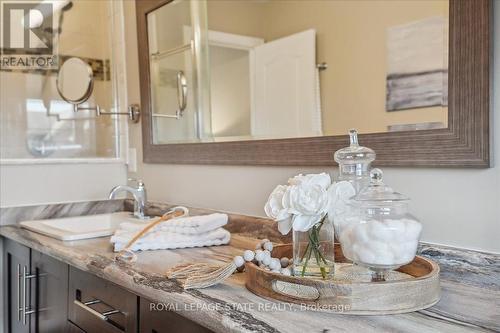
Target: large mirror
294 68
225 71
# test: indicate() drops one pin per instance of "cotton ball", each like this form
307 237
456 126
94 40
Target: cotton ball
239 261
268 246
383 258
354 253
347 234
378 230
259 255
359 233
413 229
397 248
408 251
248 255
284 262
366 256
286 271
347 251
275 264
266 261
397 227
377 247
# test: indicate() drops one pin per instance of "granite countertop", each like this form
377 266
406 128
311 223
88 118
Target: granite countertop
470 289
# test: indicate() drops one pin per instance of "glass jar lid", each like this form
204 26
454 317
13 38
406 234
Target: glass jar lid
355 153
377 192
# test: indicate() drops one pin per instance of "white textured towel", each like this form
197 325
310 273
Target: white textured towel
194 231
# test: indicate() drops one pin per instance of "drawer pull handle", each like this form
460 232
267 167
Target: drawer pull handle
25 309
86 307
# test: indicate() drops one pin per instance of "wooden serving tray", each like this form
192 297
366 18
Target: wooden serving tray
416 287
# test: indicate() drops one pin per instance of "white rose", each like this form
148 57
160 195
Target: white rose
338 198
274 205
305 222
321 179
305 199
284 226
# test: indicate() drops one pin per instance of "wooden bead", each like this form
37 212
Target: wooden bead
284 262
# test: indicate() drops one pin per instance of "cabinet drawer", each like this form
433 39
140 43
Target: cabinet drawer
72 328
165 321
96 305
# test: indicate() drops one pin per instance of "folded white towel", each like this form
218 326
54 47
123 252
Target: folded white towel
195 231
184 225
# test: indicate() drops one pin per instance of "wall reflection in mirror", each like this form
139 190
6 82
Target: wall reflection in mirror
291 68
36 121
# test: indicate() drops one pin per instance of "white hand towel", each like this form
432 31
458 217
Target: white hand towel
159 240
184 225
194 231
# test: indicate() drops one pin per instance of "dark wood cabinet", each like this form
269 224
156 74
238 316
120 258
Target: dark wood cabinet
97 305
60 298
156 319
37 283
72 328
16 260
49 293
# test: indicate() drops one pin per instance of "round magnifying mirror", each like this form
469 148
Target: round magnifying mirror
75 81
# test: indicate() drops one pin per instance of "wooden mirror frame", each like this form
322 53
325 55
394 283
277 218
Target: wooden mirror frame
465 143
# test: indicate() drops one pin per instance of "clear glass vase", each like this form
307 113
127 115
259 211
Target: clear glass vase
313 251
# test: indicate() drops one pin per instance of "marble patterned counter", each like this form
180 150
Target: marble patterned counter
470 283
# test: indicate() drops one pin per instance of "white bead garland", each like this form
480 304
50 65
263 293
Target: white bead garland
259 255
239 261
285 262
267 254
263 258
248 255
274 264
268 246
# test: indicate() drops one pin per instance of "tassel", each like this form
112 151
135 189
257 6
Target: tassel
183 271
201 275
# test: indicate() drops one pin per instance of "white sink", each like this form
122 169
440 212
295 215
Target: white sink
80 227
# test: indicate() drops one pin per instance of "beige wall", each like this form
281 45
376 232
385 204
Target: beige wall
457 207
351 38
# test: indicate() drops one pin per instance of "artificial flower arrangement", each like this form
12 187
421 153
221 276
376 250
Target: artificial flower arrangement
307 205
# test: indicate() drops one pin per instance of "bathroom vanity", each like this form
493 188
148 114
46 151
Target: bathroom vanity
58 297
61 277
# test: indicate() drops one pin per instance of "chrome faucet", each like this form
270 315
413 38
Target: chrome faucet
139 194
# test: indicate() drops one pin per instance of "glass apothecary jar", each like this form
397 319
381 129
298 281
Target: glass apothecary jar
382 235
354 162
354 174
